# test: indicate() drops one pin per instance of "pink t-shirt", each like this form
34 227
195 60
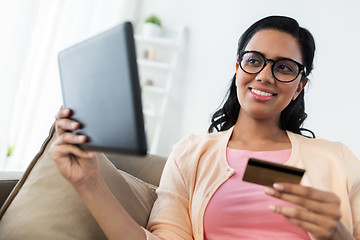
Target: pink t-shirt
239 210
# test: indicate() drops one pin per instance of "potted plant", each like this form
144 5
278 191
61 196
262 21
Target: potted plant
152 26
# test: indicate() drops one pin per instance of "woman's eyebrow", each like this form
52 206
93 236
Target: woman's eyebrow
281 57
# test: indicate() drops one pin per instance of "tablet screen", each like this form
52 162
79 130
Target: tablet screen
99 81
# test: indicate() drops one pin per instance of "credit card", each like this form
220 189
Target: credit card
267 173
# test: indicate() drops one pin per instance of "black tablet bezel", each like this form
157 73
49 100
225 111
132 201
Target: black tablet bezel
125 32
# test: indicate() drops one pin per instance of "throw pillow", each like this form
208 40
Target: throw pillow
44 205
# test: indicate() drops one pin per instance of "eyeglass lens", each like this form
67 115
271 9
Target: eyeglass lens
283 69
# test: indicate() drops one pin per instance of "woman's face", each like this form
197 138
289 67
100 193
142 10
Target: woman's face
260 95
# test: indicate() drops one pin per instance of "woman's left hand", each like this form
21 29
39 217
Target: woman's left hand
318 212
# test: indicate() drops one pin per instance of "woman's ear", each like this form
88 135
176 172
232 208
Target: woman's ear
300 87
237 67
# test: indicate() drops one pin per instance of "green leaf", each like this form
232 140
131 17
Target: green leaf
153 19
10 151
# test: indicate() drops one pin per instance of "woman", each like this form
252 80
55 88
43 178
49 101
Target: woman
202 195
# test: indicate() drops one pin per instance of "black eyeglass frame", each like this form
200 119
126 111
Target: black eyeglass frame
266 60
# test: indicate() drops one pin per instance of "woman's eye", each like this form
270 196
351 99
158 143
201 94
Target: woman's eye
285 68
253 61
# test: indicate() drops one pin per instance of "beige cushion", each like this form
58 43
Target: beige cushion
44 205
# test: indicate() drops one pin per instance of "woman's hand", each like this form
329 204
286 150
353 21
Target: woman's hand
318 212
77 166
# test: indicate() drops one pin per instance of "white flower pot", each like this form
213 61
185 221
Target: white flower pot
151 30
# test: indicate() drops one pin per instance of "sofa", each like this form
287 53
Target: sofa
43 205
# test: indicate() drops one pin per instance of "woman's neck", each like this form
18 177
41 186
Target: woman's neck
258 134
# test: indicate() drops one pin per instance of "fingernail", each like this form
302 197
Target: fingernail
270 191
74 125
66 111
278 186
81 138
271 207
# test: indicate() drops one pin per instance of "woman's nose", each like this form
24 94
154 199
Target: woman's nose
266 74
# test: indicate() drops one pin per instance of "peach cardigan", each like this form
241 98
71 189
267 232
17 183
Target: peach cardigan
197 166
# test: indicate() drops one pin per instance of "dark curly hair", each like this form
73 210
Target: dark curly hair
293 116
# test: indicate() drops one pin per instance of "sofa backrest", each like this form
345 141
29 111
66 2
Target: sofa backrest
147 168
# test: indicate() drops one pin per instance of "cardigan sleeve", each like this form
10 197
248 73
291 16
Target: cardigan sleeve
170 218
353 189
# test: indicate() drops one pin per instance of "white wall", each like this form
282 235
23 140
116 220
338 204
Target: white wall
33 32
214 28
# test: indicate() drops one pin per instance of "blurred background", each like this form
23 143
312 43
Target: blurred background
185 66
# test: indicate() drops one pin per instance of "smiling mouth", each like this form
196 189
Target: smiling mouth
262 93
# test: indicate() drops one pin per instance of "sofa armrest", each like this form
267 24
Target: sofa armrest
6 186
8 180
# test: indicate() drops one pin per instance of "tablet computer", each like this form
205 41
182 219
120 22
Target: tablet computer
100 84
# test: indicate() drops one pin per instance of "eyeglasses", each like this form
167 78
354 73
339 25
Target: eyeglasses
283 69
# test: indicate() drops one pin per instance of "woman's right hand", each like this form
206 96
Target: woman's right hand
79 167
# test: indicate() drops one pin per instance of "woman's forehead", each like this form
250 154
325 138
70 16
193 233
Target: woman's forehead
275 44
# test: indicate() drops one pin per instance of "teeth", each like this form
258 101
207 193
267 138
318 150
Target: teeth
258 92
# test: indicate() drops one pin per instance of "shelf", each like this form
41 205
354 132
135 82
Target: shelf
158 41
157 62
154 64
153 89
148 112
